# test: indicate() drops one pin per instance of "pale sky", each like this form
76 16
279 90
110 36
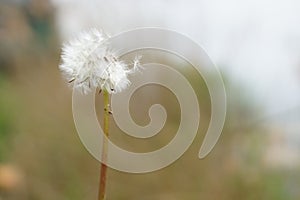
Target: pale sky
256 41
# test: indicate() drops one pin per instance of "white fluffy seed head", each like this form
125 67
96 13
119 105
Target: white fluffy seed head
88 62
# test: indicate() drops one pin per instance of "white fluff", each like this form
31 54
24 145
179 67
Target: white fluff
88 62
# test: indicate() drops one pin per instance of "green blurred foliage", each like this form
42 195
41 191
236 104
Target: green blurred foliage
7 111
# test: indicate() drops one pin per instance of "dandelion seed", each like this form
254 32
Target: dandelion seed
88 62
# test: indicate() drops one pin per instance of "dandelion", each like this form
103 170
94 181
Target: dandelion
87 63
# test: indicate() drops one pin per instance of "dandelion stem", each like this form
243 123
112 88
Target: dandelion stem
103 170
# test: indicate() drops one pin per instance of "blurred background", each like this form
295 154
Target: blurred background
255 44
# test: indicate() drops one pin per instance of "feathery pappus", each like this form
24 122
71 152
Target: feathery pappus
88 62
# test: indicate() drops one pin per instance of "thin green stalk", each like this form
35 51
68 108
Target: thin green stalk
103 170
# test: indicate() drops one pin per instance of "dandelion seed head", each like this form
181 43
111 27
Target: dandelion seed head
87 62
